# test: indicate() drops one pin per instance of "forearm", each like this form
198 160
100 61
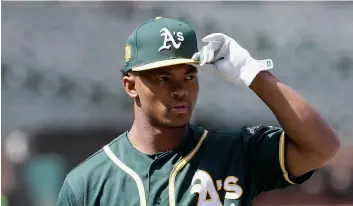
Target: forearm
311 141
301 122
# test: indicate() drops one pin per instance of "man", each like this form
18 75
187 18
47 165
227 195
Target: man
164 160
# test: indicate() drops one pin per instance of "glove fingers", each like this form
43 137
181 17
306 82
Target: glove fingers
205 55
214 46
214 37
221 52
200 56
196 56
207 52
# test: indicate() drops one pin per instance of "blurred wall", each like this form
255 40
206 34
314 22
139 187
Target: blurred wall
77 47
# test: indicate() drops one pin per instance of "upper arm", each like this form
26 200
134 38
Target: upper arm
299 161
266 156
67 196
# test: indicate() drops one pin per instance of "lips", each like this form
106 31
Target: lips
180 107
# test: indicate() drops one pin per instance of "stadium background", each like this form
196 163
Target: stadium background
62 97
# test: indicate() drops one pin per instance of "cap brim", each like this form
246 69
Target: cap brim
165 63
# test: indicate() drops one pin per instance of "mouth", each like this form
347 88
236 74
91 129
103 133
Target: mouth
180 108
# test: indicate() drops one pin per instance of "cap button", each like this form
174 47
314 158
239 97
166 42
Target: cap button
158 17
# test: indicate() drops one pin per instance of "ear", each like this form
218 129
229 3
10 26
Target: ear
129 84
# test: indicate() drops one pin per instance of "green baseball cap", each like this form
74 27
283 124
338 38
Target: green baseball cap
158 43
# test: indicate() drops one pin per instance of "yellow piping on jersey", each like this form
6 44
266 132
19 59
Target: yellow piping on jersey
282 159
130 172
179 166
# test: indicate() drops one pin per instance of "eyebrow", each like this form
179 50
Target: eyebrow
191 69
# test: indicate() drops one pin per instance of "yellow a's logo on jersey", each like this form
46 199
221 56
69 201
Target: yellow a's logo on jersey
203 184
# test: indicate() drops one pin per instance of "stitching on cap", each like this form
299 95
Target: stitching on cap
137 48
138 28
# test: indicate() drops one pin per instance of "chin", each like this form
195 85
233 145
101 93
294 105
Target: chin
176 123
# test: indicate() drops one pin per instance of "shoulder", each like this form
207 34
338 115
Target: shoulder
219 138
258 130
89 166
91 169
238 135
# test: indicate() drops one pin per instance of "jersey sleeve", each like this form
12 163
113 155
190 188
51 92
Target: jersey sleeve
266 158
67 196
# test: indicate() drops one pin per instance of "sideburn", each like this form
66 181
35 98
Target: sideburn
138 102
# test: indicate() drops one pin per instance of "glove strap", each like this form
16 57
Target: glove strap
250 71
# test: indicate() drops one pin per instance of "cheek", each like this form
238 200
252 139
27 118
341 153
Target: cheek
194 92
153 101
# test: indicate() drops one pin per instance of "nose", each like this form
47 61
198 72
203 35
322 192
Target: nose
179 90
179 93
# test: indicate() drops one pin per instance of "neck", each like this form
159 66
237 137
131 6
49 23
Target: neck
150 139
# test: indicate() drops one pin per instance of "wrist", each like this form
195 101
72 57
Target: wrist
260 80
252 69
249 72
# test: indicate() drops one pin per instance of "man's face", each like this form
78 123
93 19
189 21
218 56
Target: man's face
167 95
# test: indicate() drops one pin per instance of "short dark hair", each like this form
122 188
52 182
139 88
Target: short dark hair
124 73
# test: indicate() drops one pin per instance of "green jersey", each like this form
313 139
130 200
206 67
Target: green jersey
216 167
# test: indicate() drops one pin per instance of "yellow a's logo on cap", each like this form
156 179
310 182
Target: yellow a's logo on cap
127 53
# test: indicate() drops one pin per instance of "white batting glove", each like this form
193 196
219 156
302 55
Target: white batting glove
231 62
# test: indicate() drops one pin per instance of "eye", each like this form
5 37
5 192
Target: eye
190 77
162 78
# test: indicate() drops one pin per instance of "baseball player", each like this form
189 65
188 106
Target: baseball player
165 160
